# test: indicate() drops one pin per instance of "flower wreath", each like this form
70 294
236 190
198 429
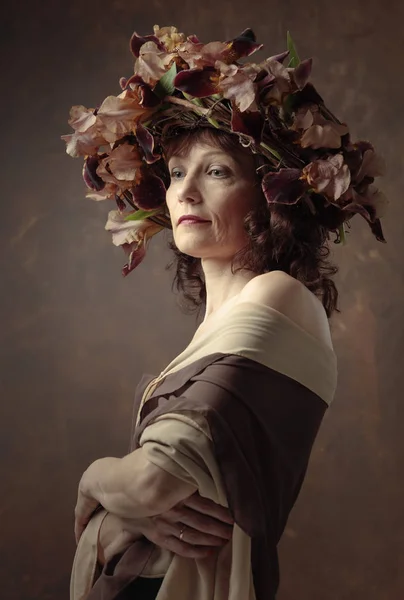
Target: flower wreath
179 82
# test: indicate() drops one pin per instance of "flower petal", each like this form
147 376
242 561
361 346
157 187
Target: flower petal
264 82
152 63
249 123
338 184
132 236
169 37
137 41
194 39
91 179
197 82
144 94
81 118
109 192
149 193
330 176
283 187
376 229
380 202
280 57
147 98
372 165
308 95
118 116
302 73
136 255
323 136
237 86
243 45
200 56
132 82
303 119
146 142
127 232
83 144
123 162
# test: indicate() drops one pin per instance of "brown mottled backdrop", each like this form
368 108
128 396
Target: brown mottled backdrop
76 336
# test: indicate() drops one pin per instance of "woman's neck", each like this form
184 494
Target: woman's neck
220 289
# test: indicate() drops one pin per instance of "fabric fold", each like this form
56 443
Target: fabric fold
236 413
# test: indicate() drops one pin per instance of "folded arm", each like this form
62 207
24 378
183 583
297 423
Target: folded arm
129 487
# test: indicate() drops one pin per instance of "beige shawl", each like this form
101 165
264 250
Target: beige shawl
181 443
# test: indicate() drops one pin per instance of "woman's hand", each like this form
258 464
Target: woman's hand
85 508
115 535
205 527
86 504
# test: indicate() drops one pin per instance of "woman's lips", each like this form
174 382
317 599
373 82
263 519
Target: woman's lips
192 222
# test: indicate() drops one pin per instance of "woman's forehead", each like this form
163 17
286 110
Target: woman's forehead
200 150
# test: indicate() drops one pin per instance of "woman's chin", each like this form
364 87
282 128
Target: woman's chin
195 248
191 250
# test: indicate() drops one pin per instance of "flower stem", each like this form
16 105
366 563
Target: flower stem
187 104
341 232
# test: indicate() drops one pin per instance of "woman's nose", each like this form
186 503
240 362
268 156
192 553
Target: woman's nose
188 190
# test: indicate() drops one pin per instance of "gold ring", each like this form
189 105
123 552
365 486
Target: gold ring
182 532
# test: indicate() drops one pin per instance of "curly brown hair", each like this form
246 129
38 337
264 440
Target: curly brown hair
281 237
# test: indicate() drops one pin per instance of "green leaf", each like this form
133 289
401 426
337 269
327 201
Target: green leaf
271 150
198 102
190 98
165 85
213 122
294 59
139 215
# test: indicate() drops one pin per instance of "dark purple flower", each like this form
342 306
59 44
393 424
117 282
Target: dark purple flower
150 192
249 123
147 98
197 82
302 73
146 142
281 57
91 179
283 187
137 41
136 253
308 95
243 45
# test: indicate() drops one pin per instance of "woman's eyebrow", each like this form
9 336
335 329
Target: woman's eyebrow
210 154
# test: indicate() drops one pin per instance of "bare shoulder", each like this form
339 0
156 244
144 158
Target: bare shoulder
287 295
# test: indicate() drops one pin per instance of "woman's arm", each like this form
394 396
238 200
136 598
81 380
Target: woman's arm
129 487
204 526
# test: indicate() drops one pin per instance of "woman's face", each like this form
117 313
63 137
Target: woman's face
217 186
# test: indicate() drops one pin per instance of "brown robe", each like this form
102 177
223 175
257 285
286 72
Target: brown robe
236 414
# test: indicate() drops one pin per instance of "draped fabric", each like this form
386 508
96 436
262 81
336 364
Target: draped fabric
236 414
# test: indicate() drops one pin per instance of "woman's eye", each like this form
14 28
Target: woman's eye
217 172
175 173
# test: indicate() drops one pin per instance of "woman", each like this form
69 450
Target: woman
223 435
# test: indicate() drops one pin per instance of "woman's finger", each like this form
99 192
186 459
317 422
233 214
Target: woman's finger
199 521
208 507
187 550
199 538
